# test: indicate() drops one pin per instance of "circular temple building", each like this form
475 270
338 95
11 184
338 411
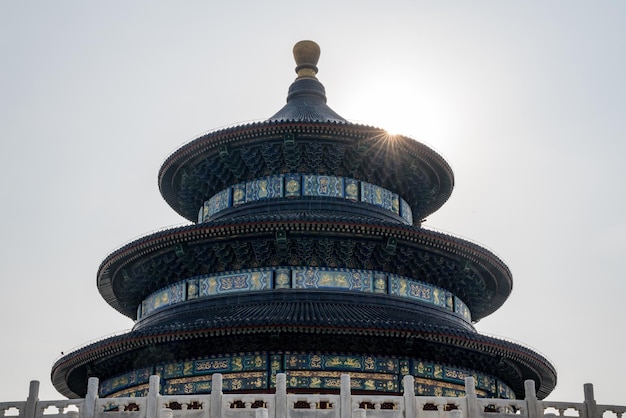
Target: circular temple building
305 256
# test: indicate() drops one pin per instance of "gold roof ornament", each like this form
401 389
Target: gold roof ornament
306 54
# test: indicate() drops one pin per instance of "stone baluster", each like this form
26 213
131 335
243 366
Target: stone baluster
91 398
281 395
216 395
260 413
534 407
30 411
591 407
359 413
166 413
410 406
472 399
345 397
153 397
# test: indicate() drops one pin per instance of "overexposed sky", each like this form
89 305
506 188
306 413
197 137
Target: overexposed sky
525 99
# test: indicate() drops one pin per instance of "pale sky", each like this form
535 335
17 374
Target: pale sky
525 99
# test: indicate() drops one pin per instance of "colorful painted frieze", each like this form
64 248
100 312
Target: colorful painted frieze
293 185
239 194
187 386
255 371
405 212
282 278
380 197
380 282
202 384
164 297
427 387
332 380
351 189
133 392
264 188
326 186
210 365
342 362
193 289
402 286
219 202
321 278
235 282
504 391
462 309
127 380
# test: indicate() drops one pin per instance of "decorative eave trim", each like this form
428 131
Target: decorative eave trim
112 346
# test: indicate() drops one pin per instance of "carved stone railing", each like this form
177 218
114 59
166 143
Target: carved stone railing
290 405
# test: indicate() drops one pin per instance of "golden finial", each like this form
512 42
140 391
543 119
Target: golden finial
306 54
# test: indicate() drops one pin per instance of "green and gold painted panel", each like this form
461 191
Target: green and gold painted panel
301 379
132 380
298 361
257 371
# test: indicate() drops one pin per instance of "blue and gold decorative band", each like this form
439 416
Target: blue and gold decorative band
297 185
257 371
254 280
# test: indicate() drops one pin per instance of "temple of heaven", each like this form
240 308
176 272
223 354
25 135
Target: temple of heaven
305 255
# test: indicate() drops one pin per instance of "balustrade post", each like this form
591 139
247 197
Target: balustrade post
280 398
471 398
590 402
410 405
216 395
359 413
533 405
345 397
153 397
91 397
30 410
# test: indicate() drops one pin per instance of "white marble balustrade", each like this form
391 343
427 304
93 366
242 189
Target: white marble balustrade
301 405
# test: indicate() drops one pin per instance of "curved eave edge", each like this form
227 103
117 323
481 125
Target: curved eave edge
170 169
435 241
112 346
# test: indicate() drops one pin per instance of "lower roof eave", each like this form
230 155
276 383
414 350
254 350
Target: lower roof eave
113 346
